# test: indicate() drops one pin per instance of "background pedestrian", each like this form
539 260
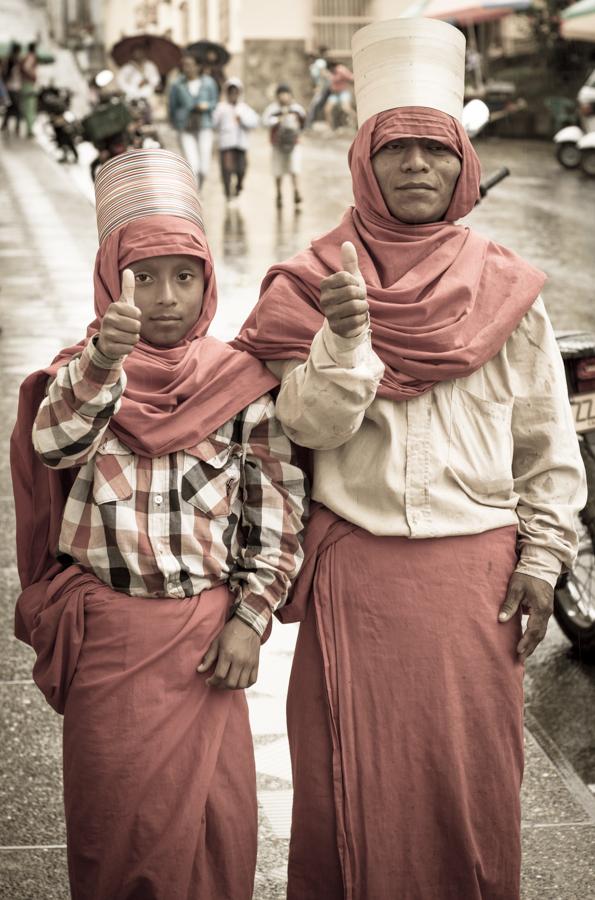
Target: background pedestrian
11 75
191 102
29 87
339 104
232 120
285 119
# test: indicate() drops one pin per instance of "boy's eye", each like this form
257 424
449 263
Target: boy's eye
142 277
437 148
185 276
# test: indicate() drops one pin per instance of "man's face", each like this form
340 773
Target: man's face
168 290
416 177
233 94
139 55
284 98
189 67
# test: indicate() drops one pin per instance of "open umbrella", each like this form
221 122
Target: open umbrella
578 21
210 53
163 52
466 12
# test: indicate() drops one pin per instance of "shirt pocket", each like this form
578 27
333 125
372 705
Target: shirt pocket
211 477
480 448
113 473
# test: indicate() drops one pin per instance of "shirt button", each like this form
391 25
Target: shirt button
158 499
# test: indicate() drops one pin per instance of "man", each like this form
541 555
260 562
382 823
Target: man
191 102
139 78
417 362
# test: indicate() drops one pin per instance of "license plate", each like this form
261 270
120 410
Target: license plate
583 410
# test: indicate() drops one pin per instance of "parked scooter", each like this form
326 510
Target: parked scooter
115 126
575 144
66 129
574 602
574 596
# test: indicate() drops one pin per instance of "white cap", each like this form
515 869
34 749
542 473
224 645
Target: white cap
408 62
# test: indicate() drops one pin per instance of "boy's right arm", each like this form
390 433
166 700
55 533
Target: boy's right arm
86 392
77 408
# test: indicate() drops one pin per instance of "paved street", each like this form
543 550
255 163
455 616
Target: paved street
47 247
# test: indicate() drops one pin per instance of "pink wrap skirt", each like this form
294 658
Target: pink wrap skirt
405 719
159 775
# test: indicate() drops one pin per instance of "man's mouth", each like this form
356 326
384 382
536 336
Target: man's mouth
416 186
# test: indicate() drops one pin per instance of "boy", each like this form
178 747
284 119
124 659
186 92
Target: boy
232 120
162 537
285 119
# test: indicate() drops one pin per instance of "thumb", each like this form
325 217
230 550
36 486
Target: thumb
349 258
128 286
512 602
210 656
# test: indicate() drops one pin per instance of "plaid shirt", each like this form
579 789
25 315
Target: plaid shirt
227 510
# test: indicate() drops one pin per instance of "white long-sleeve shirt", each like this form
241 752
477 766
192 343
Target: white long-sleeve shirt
139 81
232 122
495 448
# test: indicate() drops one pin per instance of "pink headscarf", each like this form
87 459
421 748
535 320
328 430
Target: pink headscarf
443 299
175 396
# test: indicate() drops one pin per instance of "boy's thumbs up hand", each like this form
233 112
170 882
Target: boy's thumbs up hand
120 327
343 296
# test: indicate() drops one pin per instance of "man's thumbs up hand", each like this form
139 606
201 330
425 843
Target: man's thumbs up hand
120 327
343 296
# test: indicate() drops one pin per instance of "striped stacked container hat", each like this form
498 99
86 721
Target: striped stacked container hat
143 183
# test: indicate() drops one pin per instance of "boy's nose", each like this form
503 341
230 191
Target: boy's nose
168 296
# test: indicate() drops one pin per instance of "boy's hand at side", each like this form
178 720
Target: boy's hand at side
236 651
120 328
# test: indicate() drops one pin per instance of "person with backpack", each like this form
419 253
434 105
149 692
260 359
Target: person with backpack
286 120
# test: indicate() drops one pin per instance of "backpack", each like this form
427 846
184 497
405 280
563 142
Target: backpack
288 132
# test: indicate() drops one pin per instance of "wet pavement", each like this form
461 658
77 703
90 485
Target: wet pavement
47 247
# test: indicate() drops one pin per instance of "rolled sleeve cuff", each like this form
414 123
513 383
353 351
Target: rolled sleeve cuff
98 367
539 563
348 353
257 618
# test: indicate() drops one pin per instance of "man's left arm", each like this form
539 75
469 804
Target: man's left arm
549 474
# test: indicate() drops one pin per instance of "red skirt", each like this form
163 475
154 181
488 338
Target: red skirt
159 775
405 720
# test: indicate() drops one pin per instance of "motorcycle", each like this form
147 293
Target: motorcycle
65 128
574 595
575 144
574 599
115 125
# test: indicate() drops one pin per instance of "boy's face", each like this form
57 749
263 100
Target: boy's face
284 98
168 290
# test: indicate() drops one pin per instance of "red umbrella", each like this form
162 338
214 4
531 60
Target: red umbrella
163 52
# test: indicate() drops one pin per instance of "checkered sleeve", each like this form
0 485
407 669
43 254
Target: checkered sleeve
77 408
273 511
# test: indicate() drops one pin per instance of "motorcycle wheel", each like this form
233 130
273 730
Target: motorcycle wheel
574 600
568 155
588 162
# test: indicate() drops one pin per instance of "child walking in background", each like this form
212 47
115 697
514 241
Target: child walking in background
159 514
286 120
233 119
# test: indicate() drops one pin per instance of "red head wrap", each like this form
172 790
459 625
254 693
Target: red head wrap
443 300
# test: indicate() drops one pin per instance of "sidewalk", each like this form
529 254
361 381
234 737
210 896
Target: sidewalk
47 248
